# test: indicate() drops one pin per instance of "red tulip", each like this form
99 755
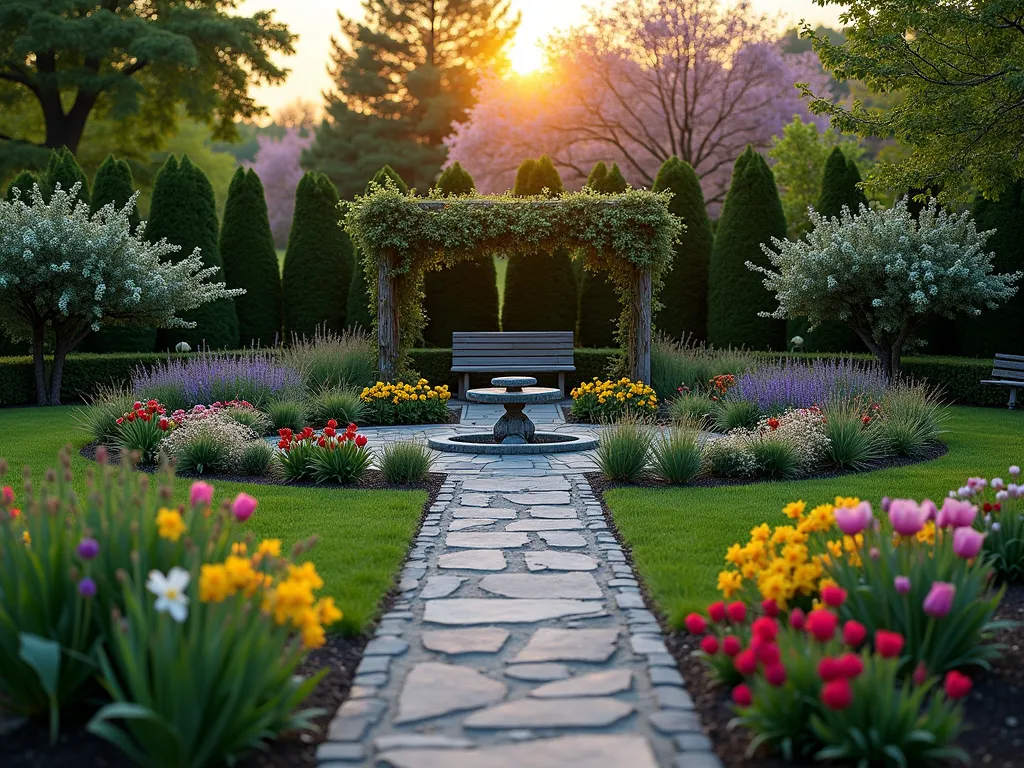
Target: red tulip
745 662
837 694
768 654
332 423
361 440
854 633
797 618
765 628
770 608
775 674
833 596
695 624
829 669
731 645
888 644
920 675
957 685
717 611
850 665
709 644
742 696
737 612
822 624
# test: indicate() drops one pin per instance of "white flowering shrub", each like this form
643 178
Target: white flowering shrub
66 273
885 274
214 436
803 429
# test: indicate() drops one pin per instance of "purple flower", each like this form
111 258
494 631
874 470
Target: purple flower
1002 495
798 384
88 548
853 520
967 542
929 506
1014 470
939 601
886 501
997 483
902 584
87 587
907 516
956 514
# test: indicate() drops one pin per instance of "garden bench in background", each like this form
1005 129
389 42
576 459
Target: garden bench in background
527 352
1008 371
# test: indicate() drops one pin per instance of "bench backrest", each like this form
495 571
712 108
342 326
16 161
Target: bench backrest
543 349
1008 368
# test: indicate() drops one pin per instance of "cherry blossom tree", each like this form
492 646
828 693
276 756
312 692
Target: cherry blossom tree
277 165
641 82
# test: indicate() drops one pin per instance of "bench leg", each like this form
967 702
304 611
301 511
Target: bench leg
465 386
1013 398
561 383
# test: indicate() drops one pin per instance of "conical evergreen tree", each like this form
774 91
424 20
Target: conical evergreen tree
319 262
63 168
684 296
998 330
358 313
113 183
751 215
250 261
540 288
183 209
463 297
23 181
599 301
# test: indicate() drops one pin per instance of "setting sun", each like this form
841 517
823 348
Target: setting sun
526 55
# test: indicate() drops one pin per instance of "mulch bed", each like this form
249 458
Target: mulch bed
29 746
993 717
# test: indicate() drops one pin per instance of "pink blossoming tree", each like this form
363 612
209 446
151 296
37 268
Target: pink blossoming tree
277 165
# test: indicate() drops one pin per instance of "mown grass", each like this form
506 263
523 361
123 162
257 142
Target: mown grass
679 536
363 536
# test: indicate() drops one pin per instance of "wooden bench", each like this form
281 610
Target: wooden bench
526 352
1008 371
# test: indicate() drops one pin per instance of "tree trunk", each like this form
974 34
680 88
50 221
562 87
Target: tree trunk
38 362
387 319
57 374
640 339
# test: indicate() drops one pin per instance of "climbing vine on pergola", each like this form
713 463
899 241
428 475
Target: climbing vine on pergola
629 236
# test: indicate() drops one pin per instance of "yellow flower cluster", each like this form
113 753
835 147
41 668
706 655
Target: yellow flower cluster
290 600
401 392
780 562
601 399
169 524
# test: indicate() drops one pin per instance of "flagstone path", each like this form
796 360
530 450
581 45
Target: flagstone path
520 640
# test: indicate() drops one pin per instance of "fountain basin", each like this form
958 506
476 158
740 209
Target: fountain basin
484 443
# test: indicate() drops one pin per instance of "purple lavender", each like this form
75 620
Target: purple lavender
790 383
88 548
87 587
209 377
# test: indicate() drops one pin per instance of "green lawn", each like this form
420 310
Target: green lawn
678 537
363 535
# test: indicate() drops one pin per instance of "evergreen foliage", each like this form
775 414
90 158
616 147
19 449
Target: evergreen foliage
751 216
999 330
63 168
23 181
113 183
684 297
319 262
599 301
183 209
463 297
250 260
540 288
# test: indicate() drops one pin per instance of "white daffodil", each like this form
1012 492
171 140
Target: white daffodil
170 591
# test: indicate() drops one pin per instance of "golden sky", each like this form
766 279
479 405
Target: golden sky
314 21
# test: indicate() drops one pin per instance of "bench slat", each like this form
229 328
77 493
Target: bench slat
512 335
1004 383
997 376
497 362
515 348
1006 365
512 368
1014 358
513 353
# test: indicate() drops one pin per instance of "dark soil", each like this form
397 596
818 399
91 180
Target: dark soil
27 745
602 484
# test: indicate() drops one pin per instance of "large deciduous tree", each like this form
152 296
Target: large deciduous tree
885 274
79 60
401 77
86 271
278 165
957 69
643 81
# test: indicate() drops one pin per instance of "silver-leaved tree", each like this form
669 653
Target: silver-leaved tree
65 273
885 274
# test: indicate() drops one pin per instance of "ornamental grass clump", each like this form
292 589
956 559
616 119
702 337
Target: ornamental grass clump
419 403
286 414
1001 520
329 360
854 440
256 458
623 450
342 405
405 461
688 365
728 415
910 420
99 418
600 401
677 457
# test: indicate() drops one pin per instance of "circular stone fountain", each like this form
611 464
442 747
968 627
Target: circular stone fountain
513 433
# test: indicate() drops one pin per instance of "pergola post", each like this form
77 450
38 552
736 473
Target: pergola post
387 318
640 343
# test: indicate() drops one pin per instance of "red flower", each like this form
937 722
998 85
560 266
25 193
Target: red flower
330 431
866 419
332 423
837 695
163 424
768 654
352 427
998 506
717 611
284 445
987 507
120 420
695 624
850 665
770 608
745 662
765 628
361 440
731 645
709 644
131 416
775 674
888 644
822 624
833 596
136 405
797 618
742 696
957 685
920 674
737 611
854 633
829 669
773 423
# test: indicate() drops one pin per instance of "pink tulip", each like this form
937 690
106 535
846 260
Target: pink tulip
853 520
967 542
201 494
939 600
902 584
242 507
956 514
929 506
907 516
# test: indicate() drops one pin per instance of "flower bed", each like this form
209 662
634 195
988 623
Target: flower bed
401 403
603 401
